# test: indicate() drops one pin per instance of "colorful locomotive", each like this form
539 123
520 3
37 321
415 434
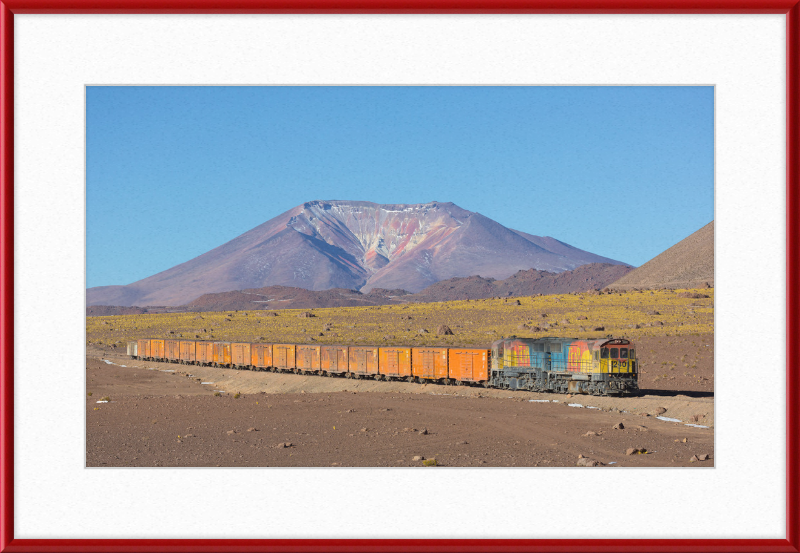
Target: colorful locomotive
563 365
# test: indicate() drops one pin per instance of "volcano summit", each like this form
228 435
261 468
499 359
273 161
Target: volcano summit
355 245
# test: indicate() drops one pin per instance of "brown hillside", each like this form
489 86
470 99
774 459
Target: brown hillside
687 264
287 297
523 283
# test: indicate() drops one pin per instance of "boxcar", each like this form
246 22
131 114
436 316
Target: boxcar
172 350
204 353
261 355
429 363
143 348
394 363
468 365
307 359
188 351
132 347
157 349
240 354
333 359
362 361
283 357
222 354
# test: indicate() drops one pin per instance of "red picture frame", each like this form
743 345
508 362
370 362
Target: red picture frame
8 8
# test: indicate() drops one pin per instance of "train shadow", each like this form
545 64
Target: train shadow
675 393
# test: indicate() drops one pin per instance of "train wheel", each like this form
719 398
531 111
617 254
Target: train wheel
446 381
486 384
459 383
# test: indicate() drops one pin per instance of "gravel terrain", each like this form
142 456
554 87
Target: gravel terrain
159 418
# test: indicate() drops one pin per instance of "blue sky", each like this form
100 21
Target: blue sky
172 172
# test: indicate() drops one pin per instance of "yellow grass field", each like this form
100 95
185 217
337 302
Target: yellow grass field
477 323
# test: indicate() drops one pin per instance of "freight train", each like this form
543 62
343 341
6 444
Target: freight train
606 366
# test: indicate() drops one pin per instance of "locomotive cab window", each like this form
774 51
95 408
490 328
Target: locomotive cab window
614 353
555 348
538 347
604 353
623 353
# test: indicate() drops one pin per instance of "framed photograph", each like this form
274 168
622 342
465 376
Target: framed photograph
82 81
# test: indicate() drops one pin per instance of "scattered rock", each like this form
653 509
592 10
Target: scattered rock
444 330
251 429
418 458
306 314
231 431
590 433
703 457
586 462
634 451
422 331
619 426
582 317
640 428
284 445
517 303
693 459
363 430
389 337
599 328
653 313
423 431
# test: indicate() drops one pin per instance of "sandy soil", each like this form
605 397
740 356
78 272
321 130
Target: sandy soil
158 418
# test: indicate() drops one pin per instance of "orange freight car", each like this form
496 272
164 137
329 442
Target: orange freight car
204 353
333 359
394 363
157 349
222 354
363 360
469 365
188 351
172 350
240 354
283 357
307 359
143 349
261 355
429 364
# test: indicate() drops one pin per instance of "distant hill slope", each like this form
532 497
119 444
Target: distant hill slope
523 283
687 264
354 245
287 297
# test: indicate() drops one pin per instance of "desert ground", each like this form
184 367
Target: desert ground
162 414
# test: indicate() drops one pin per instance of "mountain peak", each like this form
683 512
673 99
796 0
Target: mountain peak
323 244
